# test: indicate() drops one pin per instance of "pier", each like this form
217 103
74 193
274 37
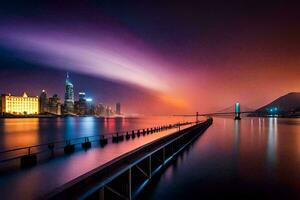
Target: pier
54 167
125 176
29 156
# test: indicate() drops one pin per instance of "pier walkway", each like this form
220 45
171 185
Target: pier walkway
39 181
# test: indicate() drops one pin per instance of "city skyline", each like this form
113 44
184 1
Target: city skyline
43 106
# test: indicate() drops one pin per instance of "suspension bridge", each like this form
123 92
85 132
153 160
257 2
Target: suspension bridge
234 110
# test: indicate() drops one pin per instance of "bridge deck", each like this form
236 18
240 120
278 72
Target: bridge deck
38 181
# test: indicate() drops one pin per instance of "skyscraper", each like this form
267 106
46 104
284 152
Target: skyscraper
81 96
43 102
81 104
54 106
69 95
118 109
100 110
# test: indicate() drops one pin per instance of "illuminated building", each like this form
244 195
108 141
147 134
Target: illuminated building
100 110
49 105
90 106
69 96
84 105
81 96
109 111
54 105
19 105
81 105
118 109
43 102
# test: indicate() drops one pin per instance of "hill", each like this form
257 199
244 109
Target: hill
287 104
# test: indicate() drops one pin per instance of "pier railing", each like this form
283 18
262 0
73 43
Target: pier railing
125 176
28 155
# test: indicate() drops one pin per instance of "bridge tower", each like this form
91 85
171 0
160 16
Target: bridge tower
237 110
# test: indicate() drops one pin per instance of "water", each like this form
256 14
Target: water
51 173
255 158
249 159
19 132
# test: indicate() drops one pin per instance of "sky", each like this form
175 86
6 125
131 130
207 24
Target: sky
155 57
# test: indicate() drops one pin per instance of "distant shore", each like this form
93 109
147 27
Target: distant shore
29 116
272 116
53 116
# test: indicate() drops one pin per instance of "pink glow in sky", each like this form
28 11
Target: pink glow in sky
184 65
105 56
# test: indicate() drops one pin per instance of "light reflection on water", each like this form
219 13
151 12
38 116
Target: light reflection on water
248 159
20 133
272 143
31 131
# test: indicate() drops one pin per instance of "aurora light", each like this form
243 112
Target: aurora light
105 56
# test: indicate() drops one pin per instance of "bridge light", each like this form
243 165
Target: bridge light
237 107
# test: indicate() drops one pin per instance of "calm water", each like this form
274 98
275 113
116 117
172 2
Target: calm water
26 132
249 159
255 158
52 173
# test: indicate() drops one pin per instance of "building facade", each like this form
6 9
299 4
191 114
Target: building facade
100 110
54 105
43 102
82 104
118 108
49 105
19 105
69 96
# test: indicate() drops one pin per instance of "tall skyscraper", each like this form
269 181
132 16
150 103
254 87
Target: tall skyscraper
54 106
69 95
81 104
43 102
81 96
100 110
118 109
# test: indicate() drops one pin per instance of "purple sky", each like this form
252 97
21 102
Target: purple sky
153 57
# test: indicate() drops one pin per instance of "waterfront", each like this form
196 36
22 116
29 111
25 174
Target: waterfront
22 132
247 159
255 158
47 176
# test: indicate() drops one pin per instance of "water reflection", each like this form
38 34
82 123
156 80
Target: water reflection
19 132
88 126
236 146
259 126
256 158
119 124
70 128
25 132
109 125
237 130
272 143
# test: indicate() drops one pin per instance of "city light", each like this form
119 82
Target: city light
19 105
89 99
